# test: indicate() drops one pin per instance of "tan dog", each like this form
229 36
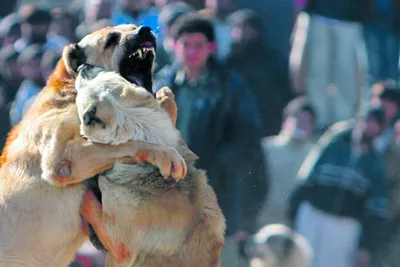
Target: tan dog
40 223
159 222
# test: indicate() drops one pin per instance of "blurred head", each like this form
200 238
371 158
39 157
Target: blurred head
35 23
133 5
299 119
29 61
8 65
370 126
10 29
247 28
98 9
222 7
48 63
170 13
387 96
194 40
63 23
82 30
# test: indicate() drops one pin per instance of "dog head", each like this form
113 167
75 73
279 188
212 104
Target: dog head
126 49
113 111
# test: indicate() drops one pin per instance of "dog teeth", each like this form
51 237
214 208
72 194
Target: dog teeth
140 52
149 49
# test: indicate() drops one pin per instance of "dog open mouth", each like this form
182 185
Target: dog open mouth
137 65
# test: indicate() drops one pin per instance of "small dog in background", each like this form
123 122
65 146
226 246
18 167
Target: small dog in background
151 220
276 245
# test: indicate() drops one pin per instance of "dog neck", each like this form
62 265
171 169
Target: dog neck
149 125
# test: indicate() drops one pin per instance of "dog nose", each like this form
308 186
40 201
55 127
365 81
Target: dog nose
144 31
89 116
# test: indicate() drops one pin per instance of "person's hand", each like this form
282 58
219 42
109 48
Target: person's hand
363 258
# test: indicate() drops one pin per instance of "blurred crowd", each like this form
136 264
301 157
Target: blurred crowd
301 149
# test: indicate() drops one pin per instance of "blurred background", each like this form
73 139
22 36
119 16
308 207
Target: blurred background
308 88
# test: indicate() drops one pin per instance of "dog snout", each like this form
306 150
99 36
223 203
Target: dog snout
90 116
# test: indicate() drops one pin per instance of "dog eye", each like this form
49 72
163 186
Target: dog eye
112 39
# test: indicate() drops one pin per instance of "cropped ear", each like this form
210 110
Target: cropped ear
73 56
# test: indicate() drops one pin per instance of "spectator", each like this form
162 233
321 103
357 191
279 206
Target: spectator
136 12
168 15
382 41
9 82
84 29
29 60
10 29
63 25
98 9
343 197
225 114
35 23
95 11
283 156
389 97
218 11
10 74
332 62
48 63
259 66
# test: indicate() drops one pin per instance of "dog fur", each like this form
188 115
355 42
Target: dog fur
160 222
277 245
45 160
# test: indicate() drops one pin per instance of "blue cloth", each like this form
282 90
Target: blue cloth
148 18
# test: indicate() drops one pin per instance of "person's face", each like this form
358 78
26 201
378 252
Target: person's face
372 127
243 33
300 126
368 130
193 50
391 109
37 32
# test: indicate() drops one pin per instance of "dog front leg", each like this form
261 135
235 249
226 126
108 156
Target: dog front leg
91 210
81 160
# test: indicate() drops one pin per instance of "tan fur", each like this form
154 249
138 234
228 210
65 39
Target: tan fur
152 222
45 160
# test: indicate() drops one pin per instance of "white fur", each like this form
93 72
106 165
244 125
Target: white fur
127 118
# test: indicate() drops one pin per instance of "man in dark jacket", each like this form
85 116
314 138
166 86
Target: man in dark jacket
261 67
343 199
219 120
